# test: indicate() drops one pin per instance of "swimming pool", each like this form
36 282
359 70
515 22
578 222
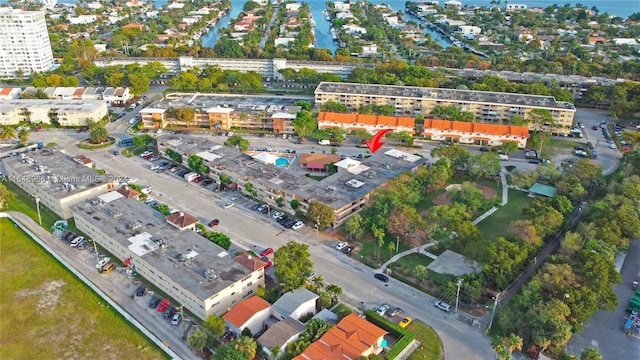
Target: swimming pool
281 162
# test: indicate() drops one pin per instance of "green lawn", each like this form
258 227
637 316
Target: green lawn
554 146
430 344
370 249
496 225
24 203
49 314
410 261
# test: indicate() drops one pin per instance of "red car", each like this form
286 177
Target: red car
79 130
148 157
594 127
198 179
214 222
164 304
269 263
266 252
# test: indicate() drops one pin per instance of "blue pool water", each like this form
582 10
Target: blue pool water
282 162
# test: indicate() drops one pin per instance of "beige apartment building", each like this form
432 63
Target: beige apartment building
277 119
490 107
57 180
64 112
190 269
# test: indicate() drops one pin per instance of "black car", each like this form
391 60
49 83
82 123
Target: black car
206 182
381 277
289 224
347 250
155 301
141 290
168 314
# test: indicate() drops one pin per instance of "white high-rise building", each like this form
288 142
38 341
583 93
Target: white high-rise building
24 42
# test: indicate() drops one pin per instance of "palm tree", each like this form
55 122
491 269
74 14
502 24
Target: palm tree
318 281
335 291
7 132
23 135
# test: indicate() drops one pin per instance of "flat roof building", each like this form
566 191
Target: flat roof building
56 179
486 106
346 191
64 112
192 270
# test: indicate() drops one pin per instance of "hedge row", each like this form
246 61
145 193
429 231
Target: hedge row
405 336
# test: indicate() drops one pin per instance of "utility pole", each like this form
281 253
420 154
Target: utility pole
38 207
397 243
317 229
493 312
458 283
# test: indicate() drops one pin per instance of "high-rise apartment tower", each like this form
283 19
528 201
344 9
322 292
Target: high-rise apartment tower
24 43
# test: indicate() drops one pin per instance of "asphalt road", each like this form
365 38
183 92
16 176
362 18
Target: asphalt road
604 331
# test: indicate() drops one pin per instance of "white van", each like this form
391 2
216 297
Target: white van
324 142
443 306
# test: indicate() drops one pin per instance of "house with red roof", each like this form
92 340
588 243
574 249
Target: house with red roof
352 338
475 133
317 162
182 221
370 123
10 93
250 313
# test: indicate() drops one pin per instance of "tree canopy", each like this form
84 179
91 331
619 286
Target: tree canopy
293 264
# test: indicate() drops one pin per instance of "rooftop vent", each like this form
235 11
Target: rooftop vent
210 274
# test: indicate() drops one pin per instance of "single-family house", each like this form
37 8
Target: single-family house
249 314
128 192
182 221
370 49
280 334
293 7
83 19
295 304
345 15
341 6
10 93
469 31
353 29
453 4
515 7
317 162
525 35
352 338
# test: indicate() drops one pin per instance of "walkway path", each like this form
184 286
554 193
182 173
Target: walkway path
422 249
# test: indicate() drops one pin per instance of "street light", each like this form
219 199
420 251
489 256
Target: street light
397 243
370 291
38 207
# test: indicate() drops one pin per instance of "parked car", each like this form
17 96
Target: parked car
394 311
266 252
382 309
235 197
228 205
313 274
177 317
269 263
153 303
141 290
442 306
381 277
81 245
214 222
405 322
297 225
341 245
76 241
347 250
164 304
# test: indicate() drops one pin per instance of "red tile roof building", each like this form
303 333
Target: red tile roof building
469 133
352 338
370 123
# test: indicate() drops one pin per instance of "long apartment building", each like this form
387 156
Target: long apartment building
62 112
24 43
274 118
268 68
346 192
190 269
491 107
57 180
369 123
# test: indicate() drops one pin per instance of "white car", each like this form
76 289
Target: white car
276 214
612 146
76 241
341 245
146 153
176 319
228 205
173 211
235 197
103 262
382 309
146 190
297 225
313 275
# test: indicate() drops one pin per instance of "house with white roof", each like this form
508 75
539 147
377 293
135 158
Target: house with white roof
295 304
353 29
469 31
83 19
341 6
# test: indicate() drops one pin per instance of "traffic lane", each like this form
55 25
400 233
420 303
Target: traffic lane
604 330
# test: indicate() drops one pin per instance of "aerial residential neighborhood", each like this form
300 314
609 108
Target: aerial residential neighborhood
296 180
